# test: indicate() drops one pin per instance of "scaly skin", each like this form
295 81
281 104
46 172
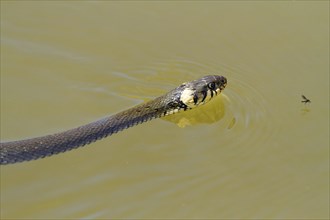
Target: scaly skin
184 97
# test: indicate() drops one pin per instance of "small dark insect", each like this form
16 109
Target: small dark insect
305 100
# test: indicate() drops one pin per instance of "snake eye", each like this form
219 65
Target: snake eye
211 85
224 81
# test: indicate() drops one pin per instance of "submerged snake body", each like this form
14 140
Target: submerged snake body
186 96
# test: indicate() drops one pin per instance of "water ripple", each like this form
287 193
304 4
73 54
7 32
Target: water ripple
249 119
242 112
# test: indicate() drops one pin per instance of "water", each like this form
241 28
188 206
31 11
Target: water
254 152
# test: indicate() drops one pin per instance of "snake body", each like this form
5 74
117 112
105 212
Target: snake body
186 96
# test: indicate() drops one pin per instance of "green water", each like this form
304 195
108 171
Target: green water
254 152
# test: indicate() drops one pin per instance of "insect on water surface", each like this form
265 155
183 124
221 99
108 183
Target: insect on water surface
305 100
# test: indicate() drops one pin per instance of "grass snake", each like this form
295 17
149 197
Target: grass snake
186 96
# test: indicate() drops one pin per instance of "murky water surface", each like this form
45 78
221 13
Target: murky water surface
254 152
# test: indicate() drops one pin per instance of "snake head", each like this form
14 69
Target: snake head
202 90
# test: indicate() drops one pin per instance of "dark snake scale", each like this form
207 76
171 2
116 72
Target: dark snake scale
186 96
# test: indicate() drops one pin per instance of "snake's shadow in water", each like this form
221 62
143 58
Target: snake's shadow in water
206 114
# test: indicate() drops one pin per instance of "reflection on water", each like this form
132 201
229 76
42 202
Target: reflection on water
255 148
241 107
209 113
305 110
232 123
